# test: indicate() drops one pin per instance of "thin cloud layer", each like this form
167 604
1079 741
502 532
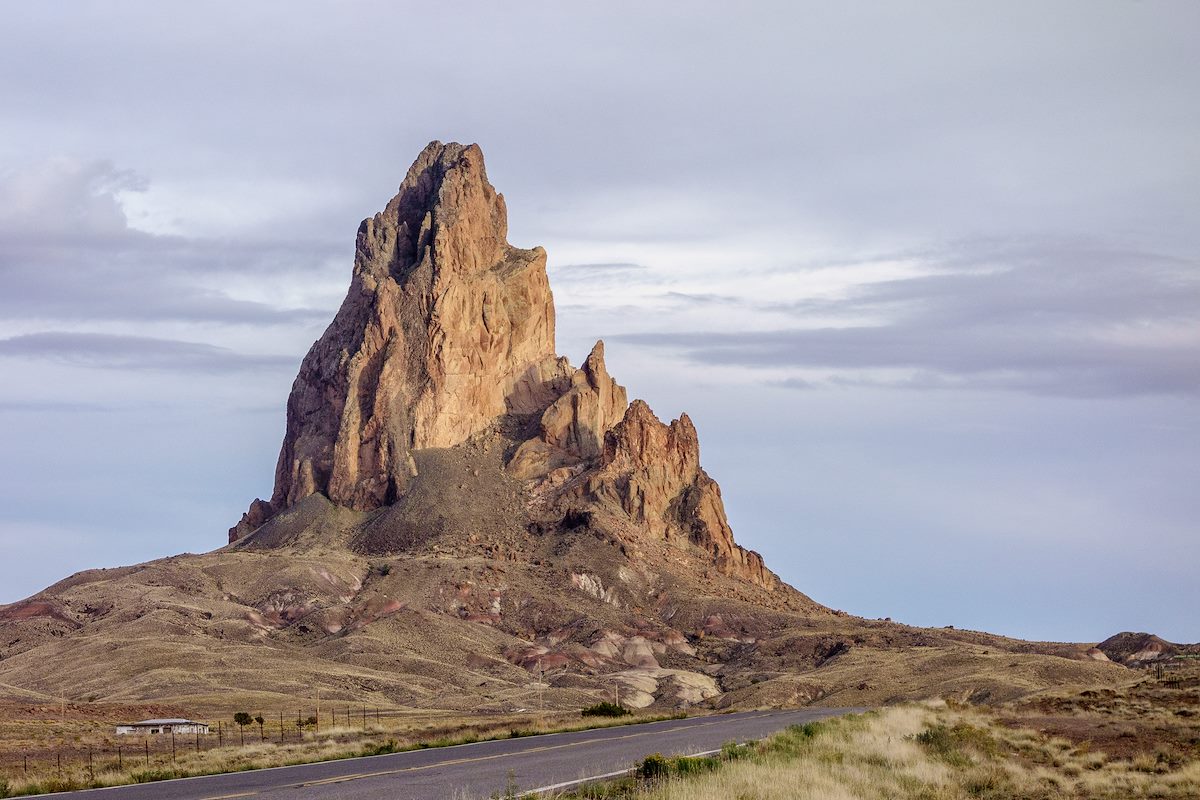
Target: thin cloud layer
109 351
1056 319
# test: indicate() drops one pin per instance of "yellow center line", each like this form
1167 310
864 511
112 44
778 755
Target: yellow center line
230 796
453 762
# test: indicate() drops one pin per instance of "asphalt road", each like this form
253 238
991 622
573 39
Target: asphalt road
477 770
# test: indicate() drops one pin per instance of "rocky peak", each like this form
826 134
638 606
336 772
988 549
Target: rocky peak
445 212
446 327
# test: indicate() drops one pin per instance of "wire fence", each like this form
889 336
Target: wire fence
149 752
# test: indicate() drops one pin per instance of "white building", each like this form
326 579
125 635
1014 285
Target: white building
157 726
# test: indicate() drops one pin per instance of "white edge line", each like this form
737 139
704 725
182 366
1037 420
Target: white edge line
567 784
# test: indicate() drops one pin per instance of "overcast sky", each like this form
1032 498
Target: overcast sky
925 275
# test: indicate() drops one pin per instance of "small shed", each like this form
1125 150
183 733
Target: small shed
154 727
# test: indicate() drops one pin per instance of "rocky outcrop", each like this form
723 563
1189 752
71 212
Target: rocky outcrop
573 427
259 512
446 327
651 472
1134 649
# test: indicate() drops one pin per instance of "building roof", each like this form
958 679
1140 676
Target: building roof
166 722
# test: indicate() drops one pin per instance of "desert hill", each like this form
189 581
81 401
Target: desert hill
460 516
1140 649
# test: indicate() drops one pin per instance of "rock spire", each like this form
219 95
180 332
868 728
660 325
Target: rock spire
446 326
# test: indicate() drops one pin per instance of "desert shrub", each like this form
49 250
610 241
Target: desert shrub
988 782
152 775
606 709
951 744
381 748
809 730
732 751
693 765
654 768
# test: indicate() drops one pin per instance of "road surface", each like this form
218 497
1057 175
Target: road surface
556 760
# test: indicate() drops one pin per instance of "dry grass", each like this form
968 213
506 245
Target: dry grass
926 752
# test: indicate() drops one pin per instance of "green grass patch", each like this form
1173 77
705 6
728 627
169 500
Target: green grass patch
959 745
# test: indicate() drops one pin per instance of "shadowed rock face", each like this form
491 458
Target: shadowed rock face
572 428
447 329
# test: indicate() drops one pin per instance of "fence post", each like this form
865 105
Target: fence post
280 727
172 745
120 760
147 752
58 755
91 771
220 736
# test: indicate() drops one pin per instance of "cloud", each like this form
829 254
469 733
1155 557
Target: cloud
68 253
40 407
64 196
598 273
1044 317
702 298
109 351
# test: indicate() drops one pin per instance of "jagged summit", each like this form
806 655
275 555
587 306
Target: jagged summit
448 330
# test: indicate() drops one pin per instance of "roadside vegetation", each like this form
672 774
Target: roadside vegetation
606 709
917 752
